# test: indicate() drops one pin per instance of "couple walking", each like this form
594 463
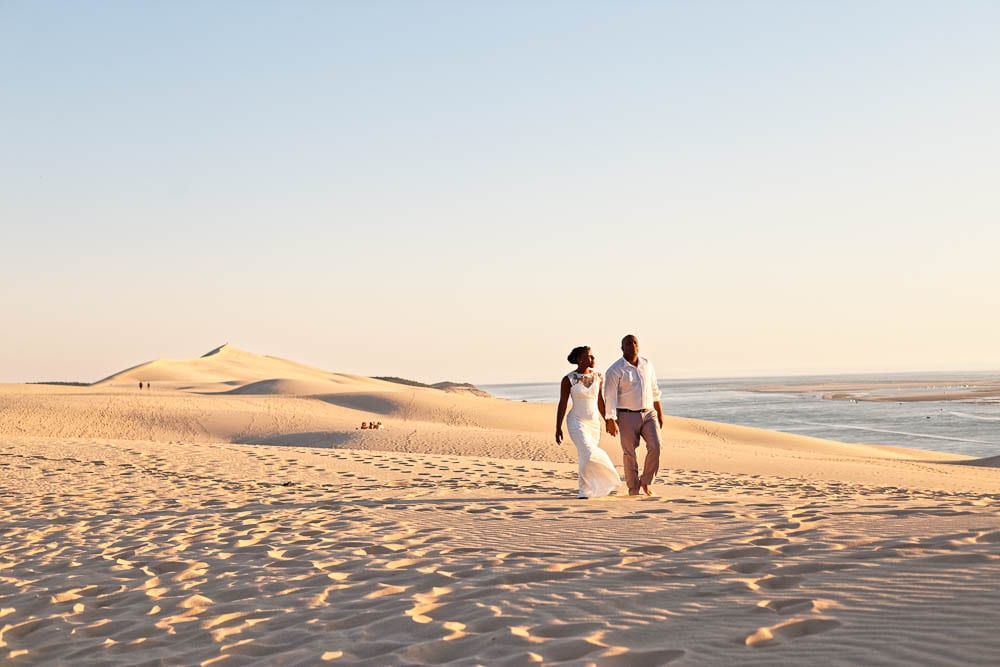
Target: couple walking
627 401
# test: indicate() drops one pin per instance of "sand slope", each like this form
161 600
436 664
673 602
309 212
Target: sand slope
235 515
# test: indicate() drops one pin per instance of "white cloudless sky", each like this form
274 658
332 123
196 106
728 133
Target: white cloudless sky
465 191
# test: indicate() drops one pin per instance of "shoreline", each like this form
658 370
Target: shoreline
985 395
962 390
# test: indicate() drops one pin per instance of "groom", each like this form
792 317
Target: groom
630 397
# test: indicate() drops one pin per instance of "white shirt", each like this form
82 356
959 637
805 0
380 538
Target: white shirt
630 387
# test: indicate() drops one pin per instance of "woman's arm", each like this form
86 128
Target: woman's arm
611 400
561 410
600 398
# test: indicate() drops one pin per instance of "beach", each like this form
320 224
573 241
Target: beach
958 389
234 512
947 418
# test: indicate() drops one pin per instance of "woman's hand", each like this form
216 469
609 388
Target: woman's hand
558 436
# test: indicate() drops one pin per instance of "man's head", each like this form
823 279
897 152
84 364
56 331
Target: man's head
630 348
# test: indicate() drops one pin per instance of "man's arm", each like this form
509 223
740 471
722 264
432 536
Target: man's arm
654 384
656 393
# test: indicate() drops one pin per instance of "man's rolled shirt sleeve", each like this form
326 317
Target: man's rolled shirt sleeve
611 379
656 384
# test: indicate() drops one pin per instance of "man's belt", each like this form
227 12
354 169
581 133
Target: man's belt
643 411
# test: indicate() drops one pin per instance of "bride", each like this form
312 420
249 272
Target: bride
598 476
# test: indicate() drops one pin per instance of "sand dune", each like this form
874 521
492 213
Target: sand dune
231 367
235 514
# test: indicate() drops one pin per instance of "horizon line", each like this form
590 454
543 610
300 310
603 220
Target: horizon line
768 375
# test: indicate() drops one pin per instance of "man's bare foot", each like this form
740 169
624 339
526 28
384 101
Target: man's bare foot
645 489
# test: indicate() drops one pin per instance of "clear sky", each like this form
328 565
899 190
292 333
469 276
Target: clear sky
466 190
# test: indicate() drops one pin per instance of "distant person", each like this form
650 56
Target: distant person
364 426
140 386
597 475
631 396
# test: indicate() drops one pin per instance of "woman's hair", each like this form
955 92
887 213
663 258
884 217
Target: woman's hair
574 356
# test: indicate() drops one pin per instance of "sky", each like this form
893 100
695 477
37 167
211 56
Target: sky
467 190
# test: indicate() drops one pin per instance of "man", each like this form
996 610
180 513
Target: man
630 397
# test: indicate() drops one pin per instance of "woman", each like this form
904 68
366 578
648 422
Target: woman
598 476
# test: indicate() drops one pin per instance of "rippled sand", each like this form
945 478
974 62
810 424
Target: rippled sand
192 526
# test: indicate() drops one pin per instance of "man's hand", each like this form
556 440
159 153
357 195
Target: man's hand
659 418
558 436
612 426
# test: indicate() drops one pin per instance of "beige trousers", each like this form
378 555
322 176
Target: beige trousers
632 426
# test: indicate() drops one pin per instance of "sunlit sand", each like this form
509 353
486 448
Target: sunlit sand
235 512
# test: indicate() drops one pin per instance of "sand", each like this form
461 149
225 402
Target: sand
235 514
978 390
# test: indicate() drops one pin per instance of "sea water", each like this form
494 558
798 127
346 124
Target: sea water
957 426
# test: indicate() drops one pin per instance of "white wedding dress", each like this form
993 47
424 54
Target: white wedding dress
598 476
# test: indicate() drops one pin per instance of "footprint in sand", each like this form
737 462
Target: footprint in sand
563 630
959 559
790 605
751 566
812 568
648 549
793 549
566 650
640 658
744 552
790 630
777 582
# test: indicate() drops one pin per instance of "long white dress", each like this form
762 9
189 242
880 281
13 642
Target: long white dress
598 476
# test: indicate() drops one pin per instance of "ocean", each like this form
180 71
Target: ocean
957 426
